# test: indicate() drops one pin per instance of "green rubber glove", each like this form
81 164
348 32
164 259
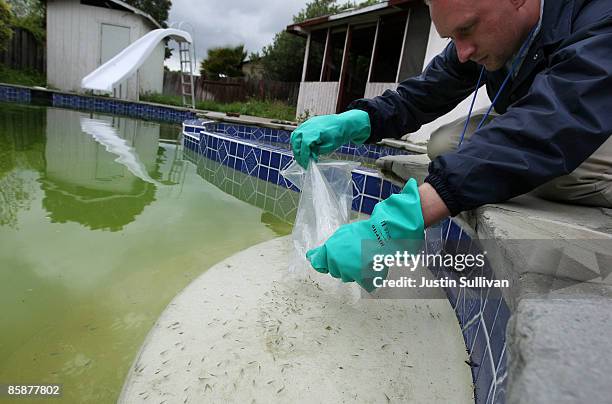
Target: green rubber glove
397 218
324 134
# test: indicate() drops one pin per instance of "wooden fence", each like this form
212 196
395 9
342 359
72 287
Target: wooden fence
24 52
230 90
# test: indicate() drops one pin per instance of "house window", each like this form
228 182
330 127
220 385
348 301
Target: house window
315 55
388 48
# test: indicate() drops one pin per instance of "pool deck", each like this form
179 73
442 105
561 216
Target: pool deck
247 331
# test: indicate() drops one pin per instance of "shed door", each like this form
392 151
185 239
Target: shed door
114 39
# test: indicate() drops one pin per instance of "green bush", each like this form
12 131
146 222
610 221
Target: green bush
21 77
6 19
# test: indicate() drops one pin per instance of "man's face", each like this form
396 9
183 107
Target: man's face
484 31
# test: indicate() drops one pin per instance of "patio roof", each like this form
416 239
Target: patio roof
350 15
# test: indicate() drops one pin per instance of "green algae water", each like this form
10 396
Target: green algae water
103 220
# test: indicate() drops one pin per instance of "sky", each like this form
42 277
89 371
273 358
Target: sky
232 22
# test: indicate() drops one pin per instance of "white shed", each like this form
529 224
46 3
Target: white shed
84 34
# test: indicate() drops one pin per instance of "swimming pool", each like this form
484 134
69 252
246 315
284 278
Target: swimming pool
214 156
92 249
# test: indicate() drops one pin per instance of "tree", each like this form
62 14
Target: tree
6 33
30 15
223 62
158 9
284 58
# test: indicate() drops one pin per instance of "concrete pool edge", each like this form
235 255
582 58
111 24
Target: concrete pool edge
63 99
540 332
298 331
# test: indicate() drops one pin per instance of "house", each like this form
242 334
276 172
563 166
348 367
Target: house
82 35
253 69
363 52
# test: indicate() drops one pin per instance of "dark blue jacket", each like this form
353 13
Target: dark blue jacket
555 114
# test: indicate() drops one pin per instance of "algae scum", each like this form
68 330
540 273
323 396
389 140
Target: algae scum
103 221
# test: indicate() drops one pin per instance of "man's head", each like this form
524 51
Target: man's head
484 31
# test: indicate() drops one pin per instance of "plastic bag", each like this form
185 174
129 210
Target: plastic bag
325 204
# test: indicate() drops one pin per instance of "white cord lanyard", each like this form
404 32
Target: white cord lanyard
501 89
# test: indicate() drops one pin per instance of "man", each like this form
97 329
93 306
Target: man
548 64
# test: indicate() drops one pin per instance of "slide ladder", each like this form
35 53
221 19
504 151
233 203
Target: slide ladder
187 87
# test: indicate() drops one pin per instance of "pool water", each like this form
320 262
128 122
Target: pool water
103 220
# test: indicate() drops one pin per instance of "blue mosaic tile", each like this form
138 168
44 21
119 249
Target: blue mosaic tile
284 137
455 231
452 292
359 181
251 162
222 152
496 324
367 206
263 173
285 161
230 130
486 376
233 148
265 158
452 238
471 304
258 134
240 150
275 159
373 186
241 166
356 204
478 348
386 190
501 379
273 176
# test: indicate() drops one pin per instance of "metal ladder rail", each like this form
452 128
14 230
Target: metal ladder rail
187 87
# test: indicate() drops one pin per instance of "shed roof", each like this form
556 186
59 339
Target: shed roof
350 15
120 5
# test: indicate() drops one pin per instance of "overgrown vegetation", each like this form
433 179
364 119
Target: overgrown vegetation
264 109
21 77
6 33
29 15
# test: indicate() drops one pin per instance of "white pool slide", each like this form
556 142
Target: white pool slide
126 62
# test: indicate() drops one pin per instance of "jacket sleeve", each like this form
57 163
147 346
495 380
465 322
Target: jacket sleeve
559 123
444 83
